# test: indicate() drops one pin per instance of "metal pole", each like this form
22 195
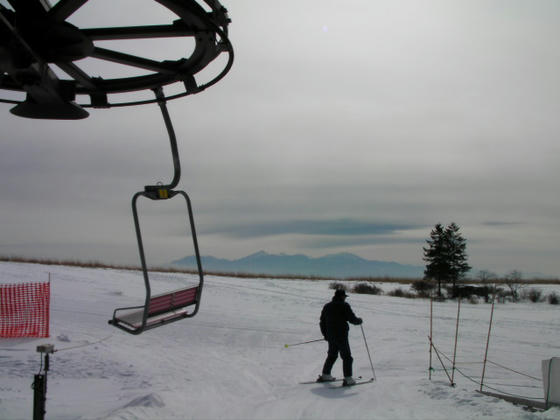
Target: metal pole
431 332
39 396
487 345
369 355
40 383
305 342
455 348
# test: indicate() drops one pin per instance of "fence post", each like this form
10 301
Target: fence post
456 336
431 337
487 344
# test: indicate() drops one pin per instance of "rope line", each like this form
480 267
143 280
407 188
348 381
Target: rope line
499 390
489 387
481 383
468 377
460 363
513 395
518 386
63 349
441 361
443 354
84 345
520 373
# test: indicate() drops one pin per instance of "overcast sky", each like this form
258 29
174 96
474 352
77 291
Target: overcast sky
343 126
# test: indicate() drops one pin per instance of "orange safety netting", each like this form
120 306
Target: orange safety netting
24 310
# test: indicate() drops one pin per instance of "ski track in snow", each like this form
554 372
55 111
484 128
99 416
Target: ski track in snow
229 361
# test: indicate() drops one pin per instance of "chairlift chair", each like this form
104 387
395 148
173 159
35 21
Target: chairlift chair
167 307
174 305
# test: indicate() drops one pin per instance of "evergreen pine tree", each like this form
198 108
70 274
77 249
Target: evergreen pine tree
457 256
446 256
435 256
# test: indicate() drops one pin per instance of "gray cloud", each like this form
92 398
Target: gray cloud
338 242
341 227
359 139
495 223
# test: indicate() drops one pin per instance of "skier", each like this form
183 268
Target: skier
334 326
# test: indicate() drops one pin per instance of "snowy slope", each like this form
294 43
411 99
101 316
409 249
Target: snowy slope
229 362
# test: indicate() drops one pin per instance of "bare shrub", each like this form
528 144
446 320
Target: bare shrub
502 295
515 283
493 292
424 288
473 300
468 291
553 298
401 293
366 288
532 294
486 277
336 285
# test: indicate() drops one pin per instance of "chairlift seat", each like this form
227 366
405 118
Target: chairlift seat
162 309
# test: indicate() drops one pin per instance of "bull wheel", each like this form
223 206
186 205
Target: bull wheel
40 54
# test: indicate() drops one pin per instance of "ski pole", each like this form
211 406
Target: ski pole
369 355
305 342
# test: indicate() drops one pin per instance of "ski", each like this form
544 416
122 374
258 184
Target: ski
325 382
320 382
366 381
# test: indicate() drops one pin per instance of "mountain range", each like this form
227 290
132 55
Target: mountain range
340 265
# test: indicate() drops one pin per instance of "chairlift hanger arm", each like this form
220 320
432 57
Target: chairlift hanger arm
160 191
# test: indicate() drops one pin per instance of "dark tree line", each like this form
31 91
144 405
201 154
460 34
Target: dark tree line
446 256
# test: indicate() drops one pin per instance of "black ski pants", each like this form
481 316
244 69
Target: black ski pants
339 345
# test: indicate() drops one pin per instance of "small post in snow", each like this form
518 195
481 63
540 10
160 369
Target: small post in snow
487 345
430 338
40 383
455 348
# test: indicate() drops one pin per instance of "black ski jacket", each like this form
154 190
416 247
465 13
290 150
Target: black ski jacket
335 317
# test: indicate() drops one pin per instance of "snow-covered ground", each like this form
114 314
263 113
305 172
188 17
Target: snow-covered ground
230 362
